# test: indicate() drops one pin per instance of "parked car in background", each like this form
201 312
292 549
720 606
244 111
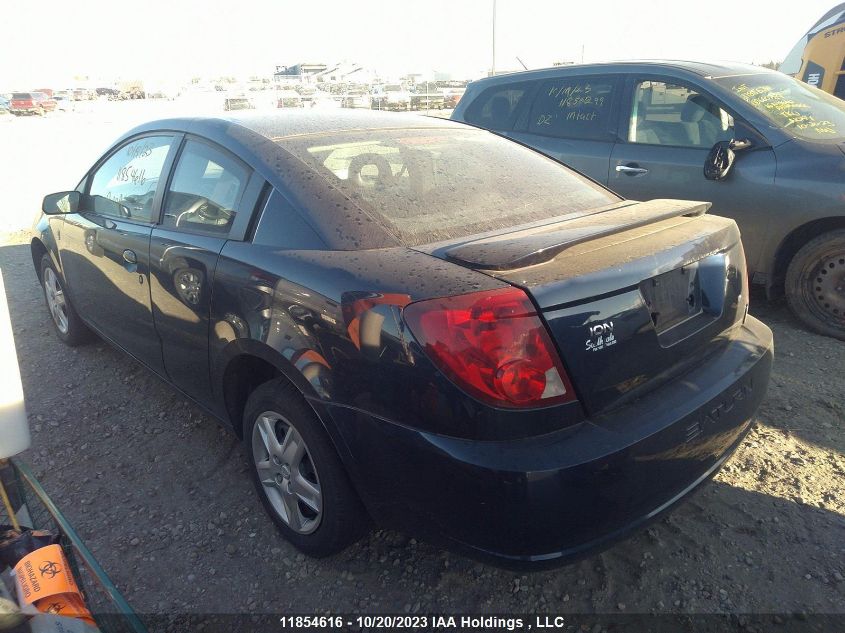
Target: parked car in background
355 97
648 129
237 103
417 322
112 94
288 99
390 97
63 103
31 103
427 96
5 105
452 96
47 104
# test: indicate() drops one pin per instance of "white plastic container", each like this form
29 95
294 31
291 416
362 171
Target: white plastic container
14 427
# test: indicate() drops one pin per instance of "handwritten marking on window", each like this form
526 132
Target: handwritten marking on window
788 111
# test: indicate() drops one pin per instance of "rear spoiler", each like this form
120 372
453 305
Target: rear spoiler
541 244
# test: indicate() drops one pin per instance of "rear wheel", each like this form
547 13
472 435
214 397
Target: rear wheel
66 322
815 284
298 474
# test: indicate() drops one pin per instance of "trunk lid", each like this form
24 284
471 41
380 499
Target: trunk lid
633 296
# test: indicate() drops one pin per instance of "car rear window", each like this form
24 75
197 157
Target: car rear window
427 185
21 95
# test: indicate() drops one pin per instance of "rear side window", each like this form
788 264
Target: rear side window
577 107
204 193
281 226
496 108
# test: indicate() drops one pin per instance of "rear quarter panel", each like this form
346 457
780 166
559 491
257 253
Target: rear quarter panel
331 321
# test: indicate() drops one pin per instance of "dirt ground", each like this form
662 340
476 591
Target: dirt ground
160 493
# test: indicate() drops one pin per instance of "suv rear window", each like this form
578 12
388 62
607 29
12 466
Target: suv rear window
21 95
427 185
577 107
496 108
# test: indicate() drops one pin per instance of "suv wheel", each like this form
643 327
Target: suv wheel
66 322
298 474
815 284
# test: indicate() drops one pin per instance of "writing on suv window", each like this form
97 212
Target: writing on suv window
796 107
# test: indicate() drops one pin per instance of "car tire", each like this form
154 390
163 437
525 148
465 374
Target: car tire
287 473
70 329
815 284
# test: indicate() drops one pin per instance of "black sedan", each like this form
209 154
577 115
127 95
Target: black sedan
416 322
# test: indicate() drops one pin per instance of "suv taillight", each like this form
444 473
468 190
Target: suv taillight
493 345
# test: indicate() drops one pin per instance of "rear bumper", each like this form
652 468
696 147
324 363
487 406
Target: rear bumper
553 498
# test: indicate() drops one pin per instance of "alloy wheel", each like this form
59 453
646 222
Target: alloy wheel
286 472
56 301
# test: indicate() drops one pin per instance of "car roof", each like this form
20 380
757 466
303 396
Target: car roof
278 125
713 70
259 140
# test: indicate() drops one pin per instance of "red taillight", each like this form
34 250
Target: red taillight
493 345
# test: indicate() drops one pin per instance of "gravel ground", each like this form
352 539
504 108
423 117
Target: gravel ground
160 492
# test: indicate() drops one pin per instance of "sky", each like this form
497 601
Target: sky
54 40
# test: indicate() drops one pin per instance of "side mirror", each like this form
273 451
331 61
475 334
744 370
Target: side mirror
721 158
61 202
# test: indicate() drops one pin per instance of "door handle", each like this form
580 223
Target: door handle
129 257
631 171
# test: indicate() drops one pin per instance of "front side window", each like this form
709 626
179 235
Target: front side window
670 114
577 108
125 185
496 108
205 191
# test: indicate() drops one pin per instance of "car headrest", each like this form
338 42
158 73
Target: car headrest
500 109
694 109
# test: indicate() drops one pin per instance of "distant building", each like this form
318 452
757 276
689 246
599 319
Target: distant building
298 73
339 73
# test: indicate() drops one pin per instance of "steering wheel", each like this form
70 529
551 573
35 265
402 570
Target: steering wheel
204 208
385 173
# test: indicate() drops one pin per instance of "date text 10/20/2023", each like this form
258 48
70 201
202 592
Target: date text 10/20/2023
426 622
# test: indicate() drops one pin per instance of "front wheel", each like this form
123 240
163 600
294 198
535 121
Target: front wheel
815 284
298 474
66 322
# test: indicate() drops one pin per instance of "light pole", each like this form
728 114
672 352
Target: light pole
493 67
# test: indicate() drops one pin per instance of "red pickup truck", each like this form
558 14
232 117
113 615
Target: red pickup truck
31 103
